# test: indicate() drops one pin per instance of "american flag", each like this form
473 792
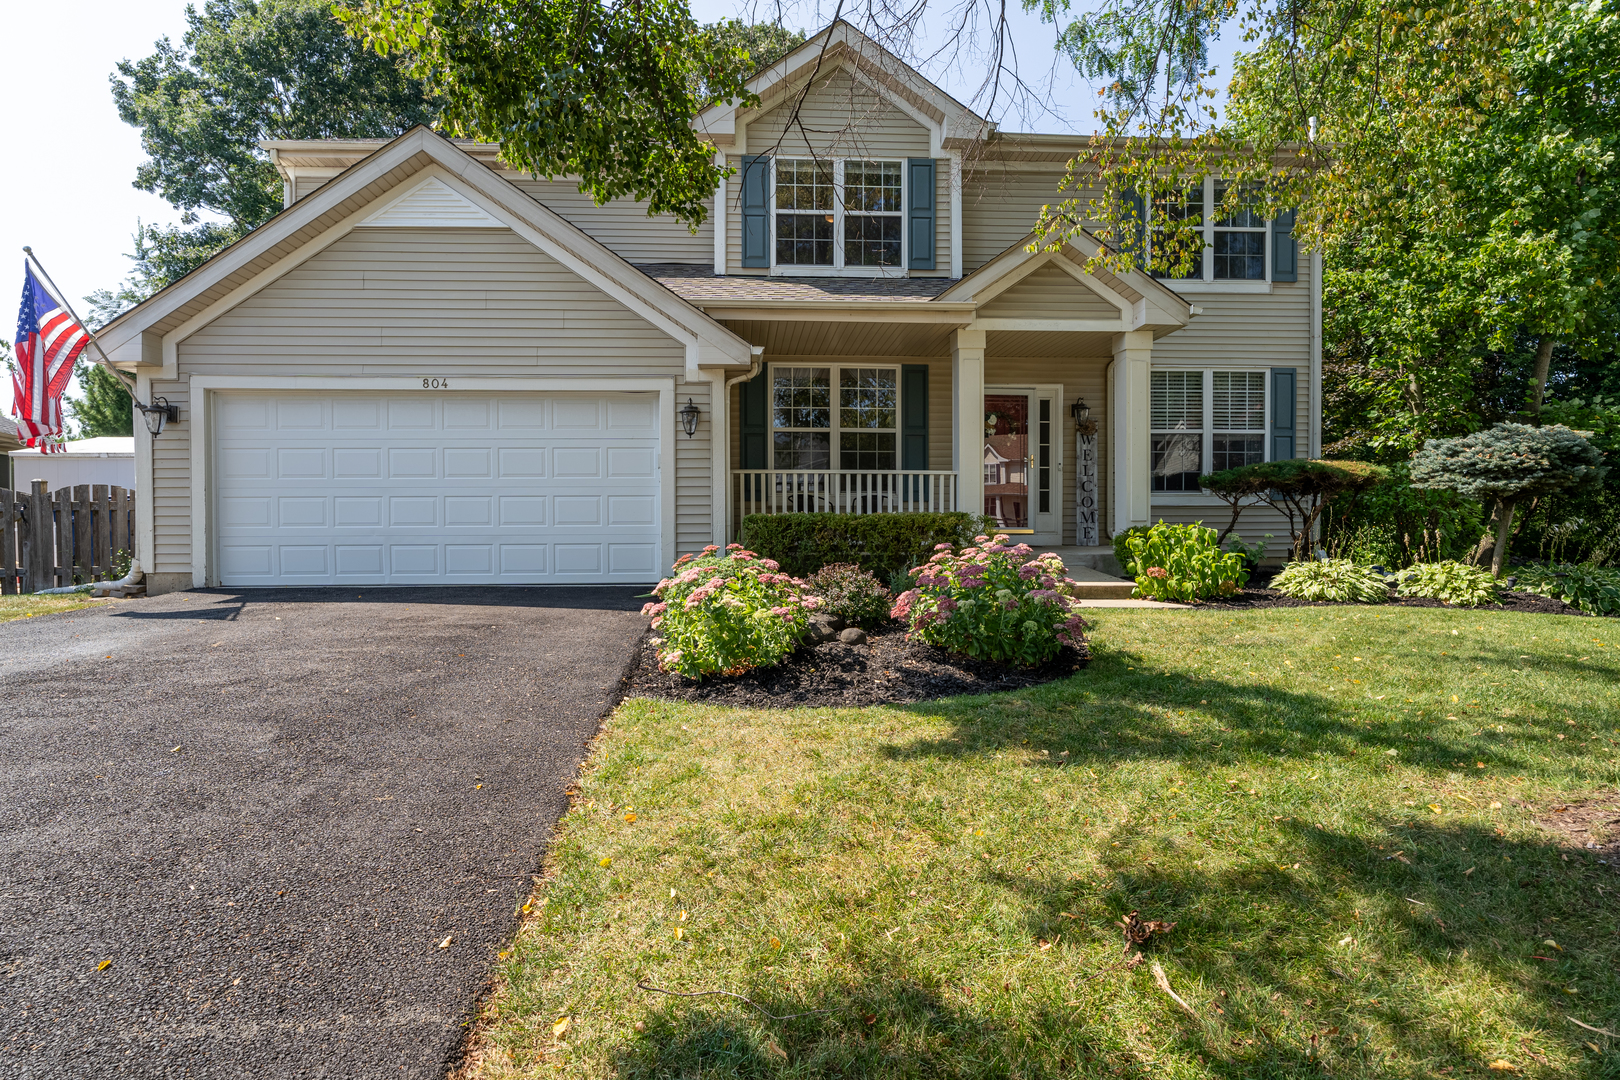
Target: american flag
49 340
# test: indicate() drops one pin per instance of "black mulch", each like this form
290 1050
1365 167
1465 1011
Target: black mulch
1256 595
887 670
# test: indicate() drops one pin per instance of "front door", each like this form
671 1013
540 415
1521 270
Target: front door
1021 483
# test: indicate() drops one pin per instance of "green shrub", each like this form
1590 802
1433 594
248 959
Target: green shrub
992 602
1337 580
1122 543
1450 582
724 614
1183 562
1593 589
877 543
852 594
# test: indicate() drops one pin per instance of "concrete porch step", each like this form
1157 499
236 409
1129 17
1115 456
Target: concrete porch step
1113 589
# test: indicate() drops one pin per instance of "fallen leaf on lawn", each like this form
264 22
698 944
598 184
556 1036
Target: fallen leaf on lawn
604 861
1136 958
1468 871
775 1051
1346 940
1066 915
680 932
445 944
630 818
776 942
1554 944
1589 1027
1503 1065
1495 806
104 965
563 1024
1138 930
1435 807
176 750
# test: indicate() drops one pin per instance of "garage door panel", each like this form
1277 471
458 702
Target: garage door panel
372 488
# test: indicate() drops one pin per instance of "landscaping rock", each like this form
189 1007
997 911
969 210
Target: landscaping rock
852 636
823 628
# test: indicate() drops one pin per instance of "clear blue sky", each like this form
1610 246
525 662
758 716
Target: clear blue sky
70 160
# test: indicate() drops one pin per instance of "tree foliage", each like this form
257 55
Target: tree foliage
605 92
105 409
1298 488
249 70
1508 464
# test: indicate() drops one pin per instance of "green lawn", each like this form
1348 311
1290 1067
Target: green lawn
1337 807
24 607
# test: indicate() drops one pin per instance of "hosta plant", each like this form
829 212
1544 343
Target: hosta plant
1183 562
993 601
852 594
721 614
1334 580
1450 582
1593 589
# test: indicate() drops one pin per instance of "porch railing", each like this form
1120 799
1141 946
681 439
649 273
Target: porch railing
835 491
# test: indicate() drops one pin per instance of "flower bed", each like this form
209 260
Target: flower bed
724 614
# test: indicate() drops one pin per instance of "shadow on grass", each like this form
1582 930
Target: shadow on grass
1354 948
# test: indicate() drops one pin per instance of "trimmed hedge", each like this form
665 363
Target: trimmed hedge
878 543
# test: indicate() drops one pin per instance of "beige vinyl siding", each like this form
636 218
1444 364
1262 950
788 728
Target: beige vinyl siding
304 184
999 208
1081 376
1049 293
839 118
694 470
429 302
622 226
734 221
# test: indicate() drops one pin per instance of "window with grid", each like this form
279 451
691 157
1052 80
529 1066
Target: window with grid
867 405
1188 206
801 417
1176 407
1238 419
1239 243
872 208
804 212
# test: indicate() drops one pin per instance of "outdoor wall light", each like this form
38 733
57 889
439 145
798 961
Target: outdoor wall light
689 418
157 413
1080 410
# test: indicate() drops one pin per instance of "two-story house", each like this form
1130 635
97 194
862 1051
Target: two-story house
432 369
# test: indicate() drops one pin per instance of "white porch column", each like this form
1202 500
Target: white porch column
967 418
1128 428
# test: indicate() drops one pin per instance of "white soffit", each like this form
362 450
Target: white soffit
432 203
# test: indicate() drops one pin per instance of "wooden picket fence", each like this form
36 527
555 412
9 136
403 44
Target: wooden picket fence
67 537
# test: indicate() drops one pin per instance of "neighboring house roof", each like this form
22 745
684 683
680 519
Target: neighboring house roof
150 332
101 446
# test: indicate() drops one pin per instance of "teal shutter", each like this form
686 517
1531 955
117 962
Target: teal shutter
1284 406
914 416
753 421
1284 248
920 202
1136 221
756 226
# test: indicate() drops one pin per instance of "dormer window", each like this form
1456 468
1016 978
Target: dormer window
836 215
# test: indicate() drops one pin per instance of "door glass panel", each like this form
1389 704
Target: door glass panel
1006 459
1044 455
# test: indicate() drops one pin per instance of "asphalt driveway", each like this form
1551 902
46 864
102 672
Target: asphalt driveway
237 826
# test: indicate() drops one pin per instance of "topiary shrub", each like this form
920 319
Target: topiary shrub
1297 488
1183 562
1509 464
1450 582
991 601
723 614
878 543
1336 580
852 594
1595 590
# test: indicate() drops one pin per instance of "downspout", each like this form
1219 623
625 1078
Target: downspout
724 452
753 369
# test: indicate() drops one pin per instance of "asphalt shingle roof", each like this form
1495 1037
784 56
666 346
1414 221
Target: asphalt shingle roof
699 284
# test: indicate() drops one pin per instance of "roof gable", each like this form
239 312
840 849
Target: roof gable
432 203
426 174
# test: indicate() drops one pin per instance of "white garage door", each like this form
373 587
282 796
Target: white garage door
454 488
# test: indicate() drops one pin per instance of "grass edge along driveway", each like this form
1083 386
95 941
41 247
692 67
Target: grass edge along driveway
1336 806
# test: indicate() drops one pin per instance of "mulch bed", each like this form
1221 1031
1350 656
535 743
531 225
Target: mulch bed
1256 595
887 670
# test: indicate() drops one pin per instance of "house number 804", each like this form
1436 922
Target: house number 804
435 384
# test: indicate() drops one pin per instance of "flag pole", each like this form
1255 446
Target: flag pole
62 299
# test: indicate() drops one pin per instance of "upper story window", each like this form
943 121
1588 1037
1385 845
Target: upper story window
1204 421
838 214
1234 245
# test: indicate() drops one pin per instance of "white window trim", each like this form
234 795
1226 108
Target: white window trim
1208 283
838 269
837 427
1208 432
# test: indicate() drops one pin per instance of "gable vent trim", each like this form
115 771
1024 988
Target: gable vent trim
432 204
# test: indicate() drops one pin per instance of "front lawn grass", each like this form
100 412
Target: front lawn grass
1337 807
27 606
